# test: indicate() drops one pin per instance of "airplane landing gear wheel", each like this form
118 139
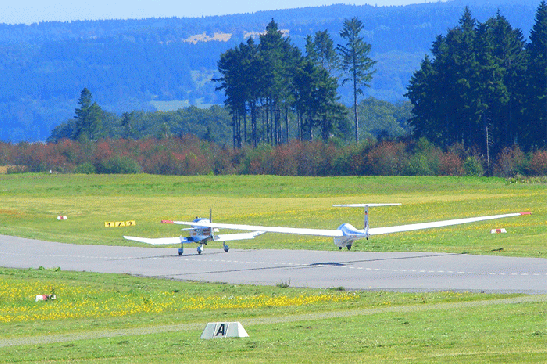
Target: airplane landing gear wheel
200 249
226 248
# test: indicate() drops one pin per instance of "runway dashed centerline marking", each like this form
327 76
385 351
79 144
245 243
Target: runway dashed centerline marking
368 269
291 264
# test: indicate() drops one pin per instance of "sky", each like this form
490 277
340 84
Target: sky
33 11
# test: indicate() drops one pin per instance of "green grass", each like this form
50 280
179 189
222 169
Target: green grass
366 327
119 319
29 204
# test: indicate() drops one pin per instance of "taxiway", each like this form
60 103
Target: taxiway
297 268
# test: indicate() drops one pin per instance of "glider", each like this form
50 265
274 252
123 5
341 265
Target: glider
202 230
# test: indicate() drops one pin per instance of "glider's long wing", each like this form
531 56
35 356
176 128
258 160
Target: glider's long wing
345 232
266 229
438 224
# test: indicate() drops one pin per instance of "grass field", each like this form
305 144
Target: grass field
30 203
119 319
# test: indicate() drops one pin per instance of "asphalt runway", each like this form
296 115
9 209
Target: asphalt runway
298 268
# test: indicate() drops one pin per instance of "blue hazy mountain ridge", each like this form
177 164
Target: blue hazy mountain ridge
143 64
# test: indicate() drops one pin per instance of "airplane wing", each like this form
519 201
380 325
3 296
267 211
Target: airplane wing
437 224
344 232
161 241
266 229
179 240
232 237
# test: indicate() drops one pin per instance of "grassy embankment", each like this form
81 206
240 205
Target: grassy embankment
118 318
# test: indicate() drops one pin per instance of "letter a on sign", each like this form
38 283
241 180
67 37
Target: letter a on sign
221 330
215 330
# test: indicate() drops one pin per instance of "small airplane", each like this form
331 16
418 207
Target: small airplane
203 230
199 234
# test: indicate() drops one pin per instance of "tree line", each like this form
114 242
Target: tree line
271 85
484 86
138 64
480 100
92 123
189 155
214 124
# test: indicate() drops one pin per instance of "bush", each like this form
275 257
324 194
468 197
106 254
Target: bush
510 162
538 164
473 166
85 168
450 164
189 155
387 159
424 159
258 160
119 165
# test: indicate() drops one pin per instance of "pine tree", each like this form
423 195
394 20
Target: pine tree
355 62
535 132
88 118
280 61
501 62
320 50
424 98
321 53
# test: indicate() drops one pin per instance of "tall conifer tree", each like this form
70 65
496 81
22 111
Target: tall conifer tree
536 111
88 118
355 62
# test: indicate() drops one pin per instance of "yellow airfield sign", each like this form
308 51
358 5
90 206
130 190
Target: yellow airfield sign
120 223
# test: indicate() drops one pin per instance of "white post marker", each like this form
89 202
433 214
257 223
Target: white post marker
45 297
215 330
498 231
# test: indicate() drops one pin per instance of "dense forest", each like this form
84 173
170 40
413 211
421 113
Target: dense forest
152 65
484 86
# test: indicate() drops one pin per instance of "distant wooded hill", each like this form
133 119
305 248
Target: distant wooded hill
161 64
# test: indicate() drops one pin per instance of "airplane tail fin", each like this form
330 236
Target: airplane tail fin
366 206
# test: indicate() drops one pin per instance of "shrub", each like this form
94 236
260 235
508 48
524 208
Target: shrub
473 166
258 160
424 164
450 164
538 164
85 168
387 159
119 165
284 160
424 159
510 162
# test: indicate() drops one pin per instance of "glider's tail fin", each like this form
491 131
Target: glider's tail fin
212 232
